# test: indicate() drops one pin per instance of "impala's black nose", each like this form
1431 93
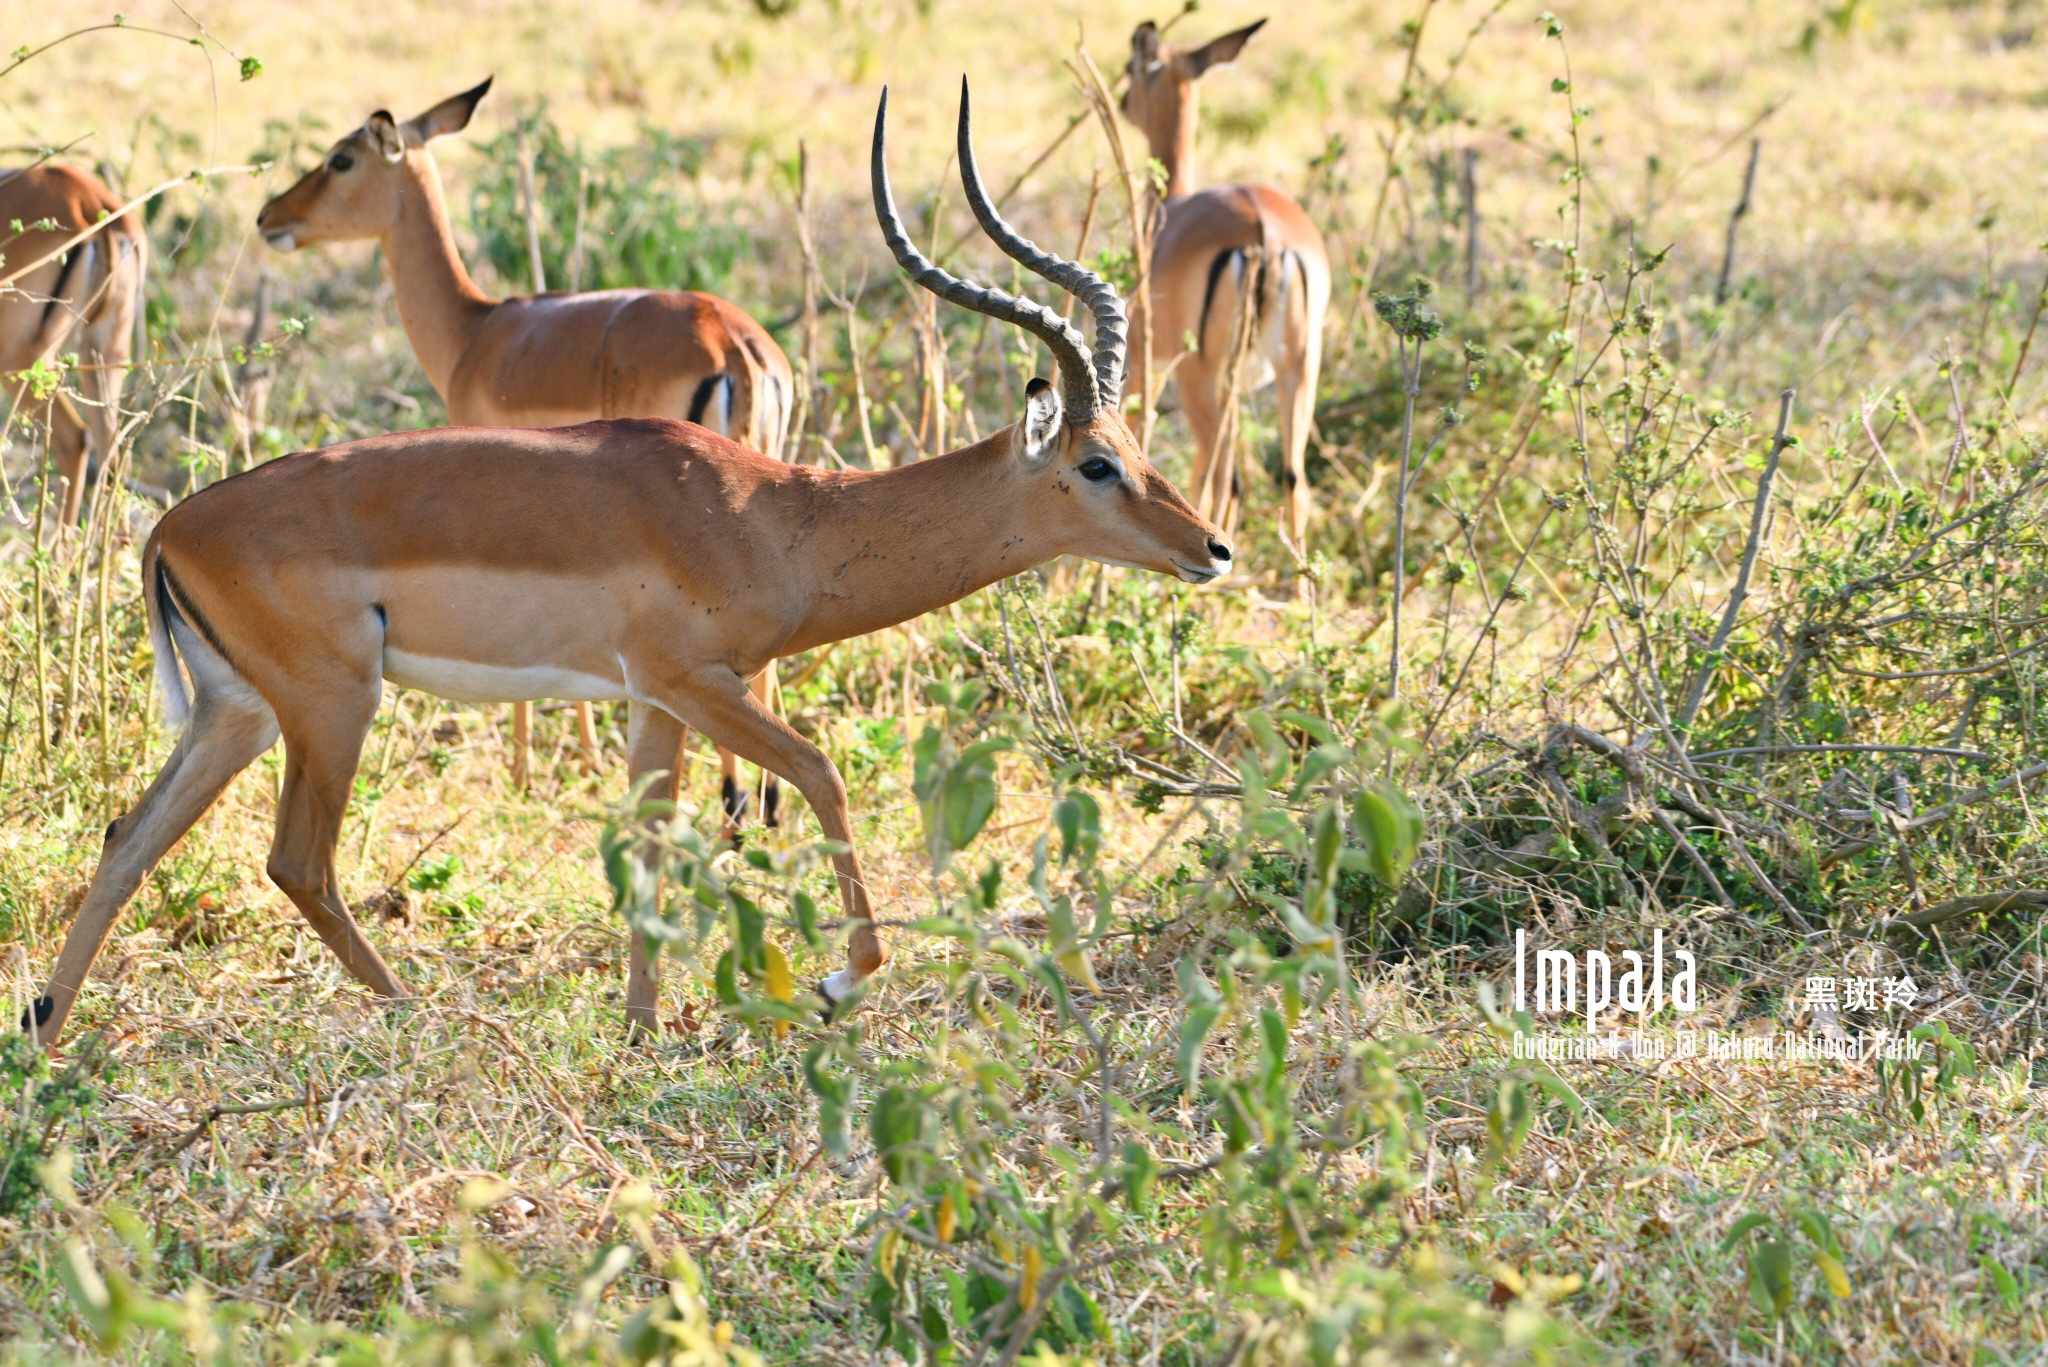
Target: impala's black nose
1218 550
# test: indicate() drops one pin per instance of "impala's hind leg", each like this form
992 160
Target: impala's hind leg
229 727
721 705
736 798
1296 370
769 695
322 745
586 738
656 742
1195 385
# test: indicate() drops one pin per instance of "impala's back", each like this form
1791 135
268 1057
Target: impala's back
425 556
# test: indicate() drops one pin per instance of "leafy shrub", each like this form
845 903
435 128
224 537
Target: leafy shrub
34 1105
965 1251
643 225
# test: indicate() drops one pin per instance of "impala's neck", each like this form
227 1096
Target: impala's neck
886 547
1174 145
438 303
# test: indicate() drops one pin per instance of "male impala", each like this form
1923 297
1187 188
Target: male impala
645 559
1218 252
85 301
535 360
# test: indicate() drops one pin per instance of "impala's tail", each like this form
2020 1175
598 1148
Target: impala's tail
761 402
70 297
163 610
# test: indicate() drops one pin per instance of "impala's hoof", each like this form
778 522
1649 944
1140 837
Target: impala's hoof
734 799
837 990
38 1016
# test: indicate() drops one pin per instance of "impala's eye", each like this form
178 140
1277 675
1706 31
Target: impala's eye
1097 469
341 161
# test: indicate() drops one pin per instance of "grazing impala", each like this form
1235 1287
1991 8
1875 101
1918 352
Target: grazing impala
1219 251
542 360
85 301
645 559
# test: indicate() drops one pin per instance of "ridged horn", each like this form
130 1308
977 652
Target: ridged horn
1091 289
1077 379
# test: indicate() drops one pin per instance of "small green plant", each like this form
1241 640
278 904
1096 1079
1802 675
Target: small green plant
1773 1246
1916 1084
494 1313
37 1106
1357 1312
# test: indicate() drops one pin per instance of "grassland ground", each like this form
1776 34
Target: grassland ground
1209 1067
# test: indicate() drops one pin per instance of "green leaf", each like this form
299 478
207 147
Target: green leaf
806 917
2001 1281
1508 1121
1079 818
1389 826
725 978
251 68
1326 843
969 801
948 926
751 925
931 1318
1139 1172
834 1095
1324 733
1819 1230
88 1292
1320 762
901 1124
1272 1049
1755 1219
1770 1277
1084 1320
1194 1030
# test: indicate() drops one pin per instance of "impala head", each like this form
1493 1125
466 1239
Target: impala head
356 192
1160 98
1098 494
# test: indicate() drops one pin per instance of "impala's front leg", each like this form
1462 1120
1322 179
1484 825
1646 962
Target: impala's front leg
654 743
716 701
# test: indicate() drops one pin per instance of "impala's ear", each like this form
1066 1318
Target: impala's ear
1040 431
1217 51
1144 45
452 115
385 140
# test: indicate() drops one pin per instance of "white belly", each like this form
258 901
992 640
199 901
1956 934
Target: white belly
464 681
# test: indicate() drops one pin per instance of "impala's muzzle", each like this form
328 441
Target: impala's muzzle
279 228
1216 567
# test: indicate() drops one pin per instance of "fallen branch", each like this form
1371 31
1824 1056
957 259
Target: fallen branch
1934 816
1938 751
1982 904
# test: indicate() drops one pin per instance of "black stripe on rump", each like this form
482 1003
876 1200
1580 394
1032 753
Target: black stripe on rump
175 604
701 400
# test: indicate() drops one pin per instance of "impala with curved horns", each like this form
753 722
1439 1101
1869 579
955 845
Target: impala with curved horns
1220 251
544 360
86 300
645 559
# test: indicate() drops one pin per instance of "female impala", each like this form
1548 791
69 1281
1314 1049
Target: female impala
1218 252
643 559
535 360
85 301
